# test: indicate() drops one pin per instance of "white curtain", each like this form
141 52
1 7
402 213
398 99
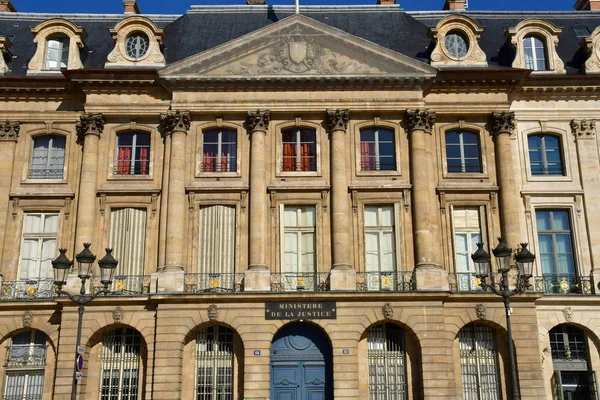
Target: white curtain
128 239
216 247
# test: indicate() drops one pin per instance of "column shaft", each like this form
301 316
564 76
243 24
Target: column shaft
8 144
162 230
421 206
340 202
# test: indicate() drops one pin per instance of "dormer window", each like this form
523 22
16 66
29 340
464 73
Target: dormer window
137 45
57 52
456 39
457 44
535 53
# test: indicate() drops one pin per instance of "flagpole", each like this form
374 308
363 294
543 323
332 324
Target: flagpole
297 6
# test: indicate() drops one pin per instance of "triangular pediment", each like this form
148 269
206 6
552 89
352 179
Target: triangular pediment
297 47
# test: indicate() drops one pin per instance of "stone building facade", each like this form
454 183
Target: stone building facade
293 200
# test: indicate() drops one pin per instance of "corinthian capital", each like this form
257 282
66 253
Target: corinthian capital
258 120
89 124
337 120
422 120
586 128
9 131
503 122
175 121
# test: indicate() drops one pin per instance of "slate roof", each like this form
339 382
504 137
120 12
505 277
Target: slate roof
204 27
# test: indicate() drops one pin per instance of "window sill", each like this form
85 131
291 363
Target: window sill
465 175
548 178
44 181
218 175
302 174
394 173
130 178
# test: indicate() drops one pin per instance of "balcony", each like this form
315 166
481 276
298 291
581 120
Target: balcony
400 281
565 284
300 282
214 283
26 356
46 173
469 282
41 289
130 285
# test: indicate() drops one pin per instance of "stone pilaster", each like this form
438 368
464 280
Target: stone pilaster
589 169
502 127
89 128
175 124
9 135
164 196
258 274
343 276
429 275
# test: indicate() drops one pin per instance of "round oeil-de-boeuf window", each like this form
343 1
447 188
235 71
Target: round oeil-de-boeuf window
456 44
137 45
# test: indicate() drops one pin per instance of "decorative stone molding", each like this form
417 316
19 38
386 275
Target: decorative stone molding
568 314
337 120
89 124
175 121
591 45
117 315
388 311
5 44
43 32
258 120
423 120
584 129
469 30
481 311
503 122
213 312
27 319
547 32
153 57
9 131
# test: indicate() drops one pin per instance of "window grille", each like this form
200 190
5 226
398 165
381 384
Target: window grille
47 158
535 53
214 363
38 246
387 362
377 150
299 149
545 155
219 151
463 153
121 359
479 363
133 154
25 364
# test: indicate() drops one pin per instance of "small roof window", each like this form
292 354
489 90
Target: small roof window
581 31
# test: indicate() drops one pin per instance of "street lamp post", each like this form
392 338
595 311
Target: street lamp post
525 260
85 261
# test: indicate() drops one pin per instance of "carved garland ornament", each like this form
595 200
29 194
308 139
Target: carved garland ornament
338 120
503 122
586 128
177 121
423 120
258 120
9 131
89 124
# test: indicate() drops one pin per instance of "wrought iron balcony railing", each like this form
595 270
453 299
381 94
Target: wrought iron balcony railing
563 284
40 289
400 281
214 283
46 173
300 282
126 285
469 281
25 356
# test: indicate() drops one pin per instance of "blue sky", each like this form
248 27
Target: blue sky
180 6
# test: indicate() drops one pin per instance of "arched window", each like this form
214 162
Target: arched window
377 149
573 377
387 362
24 368
299 150
219 150
463 153
479 363
133 154
214 363
535 53
121 365
47 157
57 52
545 155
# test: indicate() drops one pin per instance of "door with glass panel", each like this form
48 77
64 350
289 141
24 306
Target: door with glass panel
214 363
386 355
121 364
25 366
380 248
466 224
479 363
298 267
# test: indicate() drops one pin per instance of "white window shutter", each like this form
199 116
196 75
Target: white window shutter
216 247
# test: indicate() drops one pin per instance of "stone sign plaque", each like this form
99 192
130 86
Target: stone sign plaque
301 310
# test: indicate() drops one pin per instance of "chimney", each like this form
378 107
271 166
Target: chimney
386 2
587 5
255 2
131 7
454 5
6 6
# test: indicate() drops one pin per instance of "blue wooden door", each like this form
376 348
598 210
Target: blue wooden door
301 364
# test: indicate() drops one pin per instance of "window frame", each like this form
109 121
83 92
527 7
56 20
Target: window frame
61 50
561 149
298 230
394 146
133 162
298 144
60 179
200 150
461 145
381 229
278 147
483 231
576 270
41 236
463 126
531 63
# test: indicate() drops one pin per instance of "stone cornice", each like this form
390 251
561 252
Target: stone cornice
9 131
89 124
337 120
175 121
503 122
258 120
423 120
584 129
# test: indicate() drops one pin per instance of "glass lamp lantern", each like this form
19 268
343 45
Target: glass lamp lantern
481 258
502 253
61 266
85 261
107 265
525 260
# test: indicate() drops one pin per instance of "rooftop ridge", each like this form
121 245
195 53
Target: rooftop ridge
498 14
73 16
202 9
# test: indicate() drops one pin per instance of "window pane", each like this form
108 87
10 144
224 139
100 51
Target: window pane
560 220
367 135
387 216
542 220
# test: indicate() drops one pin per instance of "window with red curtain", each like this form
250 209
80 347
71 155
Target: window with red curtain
219 151
377 149
133 154
299 150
